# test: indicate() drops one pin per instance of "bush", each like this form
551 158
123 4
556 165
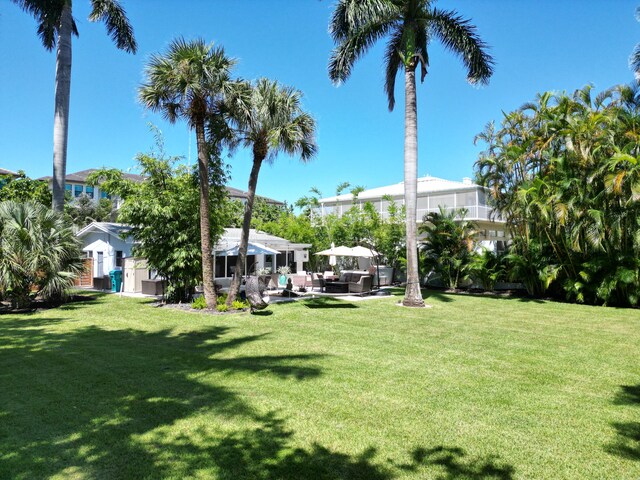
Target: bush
222 307
222 298
199 303
239 304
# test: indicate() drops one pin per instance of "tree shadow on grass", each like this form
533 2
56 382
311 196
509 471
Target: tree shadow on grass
327 302
93 402
454 463
627 441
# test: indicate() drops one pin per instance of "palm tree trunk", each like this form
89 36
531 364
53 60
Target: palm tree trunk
412 296
205 229
234 288
61 115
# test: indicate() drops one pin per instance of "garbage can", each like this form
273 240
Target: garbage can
116 280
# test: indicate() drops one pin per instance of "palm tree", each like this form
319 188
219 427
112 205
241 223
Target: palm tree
39 253
274 123
634 59
55 28
409 26
189 82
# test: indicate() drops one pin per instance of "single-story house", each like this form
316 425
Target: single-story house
107 244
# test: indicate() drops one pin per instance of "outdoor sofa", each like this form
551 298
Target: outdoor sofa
350 282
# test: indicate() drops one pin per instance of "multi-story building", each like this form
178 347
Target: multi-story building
433 193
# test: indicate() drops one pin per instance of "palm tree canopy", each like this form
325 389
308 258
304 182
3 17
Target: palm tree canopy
188 81
409 26
49 13
277 123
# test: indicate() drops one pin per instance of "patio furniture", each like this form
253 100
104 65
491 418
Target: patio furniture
317 281
255 293
336 287
361 286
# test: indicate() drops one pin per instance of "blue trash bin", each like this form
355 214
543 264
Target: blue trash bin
116 280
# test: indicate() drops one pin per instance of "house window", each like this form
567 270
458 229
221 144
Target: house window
104 194
89 254
118 258
67 187
77 190
89 191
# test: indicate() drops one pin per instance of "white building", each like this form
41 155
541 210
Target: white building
107 244
432 194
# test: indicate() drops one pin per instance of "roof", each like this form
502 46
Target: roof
237 193
231 237
117 229
4 171
81 176
426 184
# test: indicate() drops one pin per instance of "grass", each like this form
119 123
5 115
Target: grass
473 388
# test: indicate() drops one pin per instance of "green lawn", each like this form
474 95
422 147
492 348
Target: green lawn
472 388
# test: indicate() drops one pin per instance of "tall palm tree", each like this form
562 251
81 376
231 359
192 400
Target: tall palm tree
274 123
189 82
409 26
55 29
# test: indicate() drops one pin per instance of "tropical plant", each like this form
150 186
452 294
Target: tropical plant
634 59
448 245
199 303
39 253
23 189
488 268
564 173
409 25
190 82
274 122
84 210
56 26
164 216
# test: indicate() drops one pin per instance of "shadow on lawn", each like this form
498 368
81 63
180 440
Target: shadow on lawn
455 464
94 403
327 302
627 442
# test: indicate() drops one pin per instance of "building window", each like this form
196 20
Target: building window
89 191
67 187
77 190
89 254
104 194
118 258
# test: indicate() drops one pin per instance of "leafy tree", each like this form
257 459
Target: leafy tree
39 253
164 215
448 245
274 122
190 82
24 189
84 210
263 212
409 26
564 173
55 28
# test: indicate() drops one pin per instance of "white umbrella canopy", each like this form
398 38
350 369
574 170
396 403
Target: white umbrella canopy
340 251
359 251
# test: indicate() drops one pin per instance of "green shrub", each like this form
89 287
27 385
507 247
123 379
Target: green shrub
199 303
239 304
222 307
221 299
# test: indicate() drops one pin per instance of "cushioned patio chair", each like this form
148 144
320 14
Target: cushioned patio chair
362 286
317 281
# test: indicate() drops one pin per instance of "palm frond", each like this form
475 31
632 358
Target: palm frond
117 23
460 37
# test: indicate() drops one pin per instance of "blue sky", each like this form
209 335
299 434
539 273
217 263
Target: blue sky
538 45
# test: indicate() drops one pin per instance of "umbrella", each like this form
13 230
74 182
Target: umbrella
253 248
340 251
364 252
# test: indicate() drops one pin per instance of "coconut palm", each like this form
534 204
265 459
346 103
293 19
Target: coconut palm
55 29
409 26
39 253
274 123
189 82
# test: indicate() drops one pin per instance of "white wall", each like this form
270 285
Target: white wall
109 256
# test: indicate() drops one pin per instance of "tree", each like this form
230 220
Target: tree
274 123
448 245
39 253
410 25
55 29
84 210
23 189
634 59
164 215
190 82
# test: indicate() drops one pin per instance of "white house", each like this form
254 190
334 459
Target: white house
433 193
107 244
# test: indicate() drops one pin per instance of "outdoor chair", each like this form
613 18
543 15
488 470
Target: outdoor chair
362 286
317 281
